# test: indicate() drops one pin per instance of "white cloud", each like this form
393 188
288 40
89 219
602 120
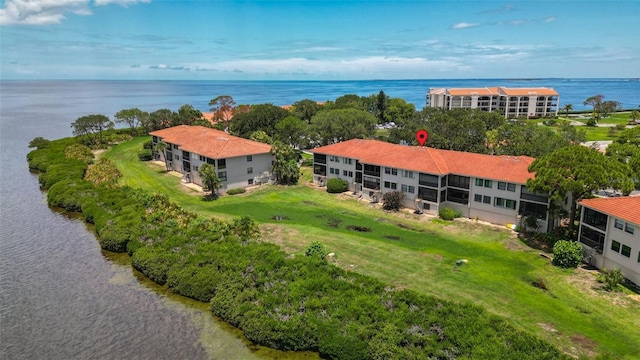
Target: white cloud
464 25
44 12
550 19
41 12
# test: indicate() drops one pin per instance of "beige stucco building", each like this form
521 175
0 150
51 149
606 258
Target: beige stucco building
238 162
512 102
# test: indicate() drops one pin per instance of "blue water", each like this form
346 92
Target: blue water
76 98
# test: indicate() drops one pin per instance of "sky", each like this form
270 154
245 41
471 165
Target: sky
318 40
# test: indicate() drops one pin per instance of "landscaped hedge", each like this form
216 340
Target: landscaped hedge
280 301
335 186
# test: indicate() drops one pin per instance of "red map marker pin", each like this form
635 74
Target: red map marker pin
422 136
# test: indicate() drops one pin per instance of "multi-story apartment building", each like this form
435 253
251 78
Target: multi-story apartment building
238 162
610 234
512 102
487 187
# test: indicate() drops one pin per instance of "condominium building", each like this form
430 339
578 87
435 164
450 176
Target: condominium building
238 162
512 102
486 187
610 234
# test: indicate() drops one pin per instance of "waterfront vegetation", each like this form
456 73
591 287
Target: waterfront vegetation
393 291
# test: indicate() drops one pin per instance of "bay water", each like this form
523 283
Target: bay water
61 297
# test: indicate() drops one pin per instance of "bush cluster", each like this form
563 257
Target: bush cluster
567 254
447 213
145 155
611 279
236 191
392 200
284 302
336 186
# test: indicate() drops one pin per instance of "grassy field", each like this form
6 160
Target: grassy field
420 253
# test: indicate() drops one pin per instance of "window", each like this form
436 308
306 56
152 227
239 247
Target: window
222 175
458 196
405 188
479 182
626 251
426 206
615 246
334 158
222 164
175 146
347 161
249 158
629 228
619 224
592 238
211 161
390 171
506 203
639 256
502 185
412 189
347 173
250 170
533 209
195 168
320 169
334 171
177 157
486 199
595 218
250 181
477 198
528 195
390 185
459 181
488 183
511 187
319 158
428 180
201 158
372 170
407 174
428 194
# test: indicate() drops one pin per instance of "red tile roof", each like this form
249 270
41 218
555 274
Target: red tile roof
433 161
211 143
626 208
496 91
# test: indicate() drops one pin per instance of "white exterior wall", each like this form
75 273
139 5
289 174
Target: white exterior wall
236 169
341 165
610 259
491 212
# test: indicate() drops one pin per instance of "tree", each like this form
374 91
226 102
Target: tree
223 108
90 127
333 126
292 131
39 143
567 108
261 136
392 200
260 117
608 107
382 102
133 117
577 171
595 101
161 148
305 109
186 115
285 168
626 150
159 119
635 115
210 181
399 111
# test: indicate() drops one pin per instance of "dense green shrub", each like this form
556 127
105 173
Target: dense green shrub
316 249
447 213
392 200
80 152
145 155
611 279
335 186
59 171
39 143
236 191
103 173
567 254
148 145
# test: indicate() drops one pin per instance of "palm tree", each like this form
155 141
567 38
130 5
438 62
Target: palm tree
210 180
161 148
285 168
567 108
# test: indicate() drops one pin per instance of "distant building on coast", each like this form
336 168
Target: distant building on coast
512 102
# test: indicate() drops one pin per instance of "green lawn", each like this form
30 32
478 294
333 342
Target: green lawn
412 251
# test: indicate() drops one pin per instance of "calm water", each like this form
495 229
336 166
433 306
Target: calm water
61 297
